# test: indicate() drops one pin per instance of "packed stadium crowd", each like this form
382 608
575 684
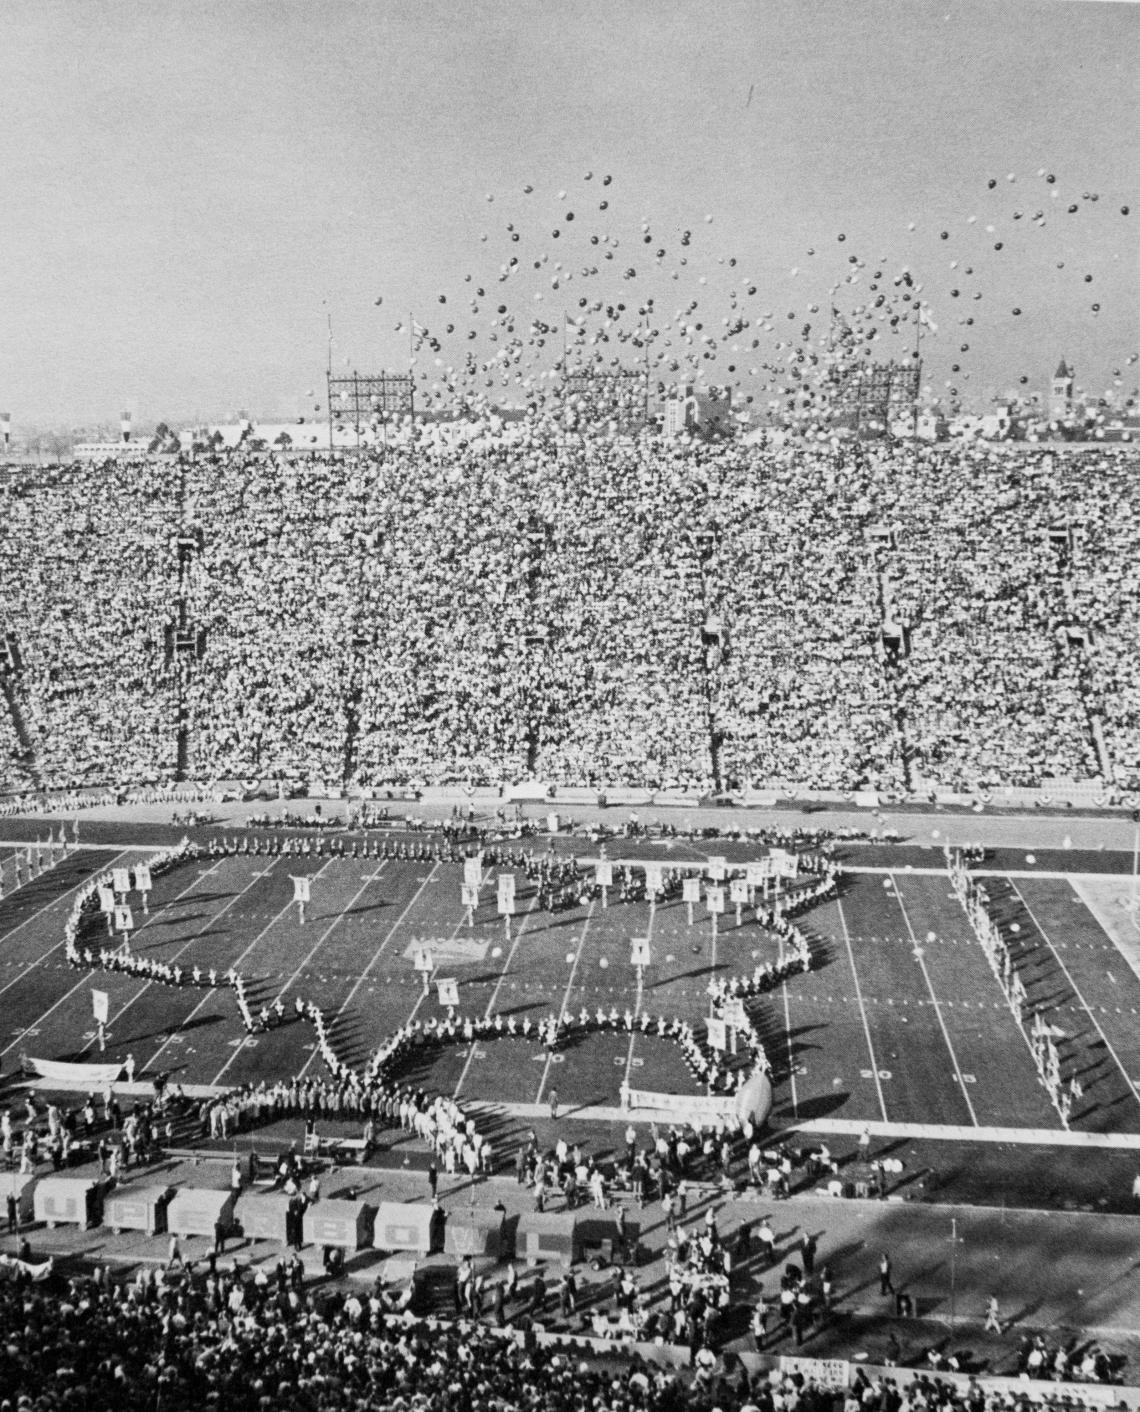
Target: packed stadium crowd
203 1337
602 613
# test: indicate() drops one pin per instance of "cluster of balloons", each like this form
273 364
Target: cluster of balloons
572 291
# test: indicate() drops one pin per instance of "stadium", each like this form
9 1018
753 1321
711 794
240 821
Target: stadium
590 859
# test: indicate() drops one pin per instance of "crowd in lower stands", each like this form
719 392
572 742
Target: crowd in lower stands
603 614
205 1337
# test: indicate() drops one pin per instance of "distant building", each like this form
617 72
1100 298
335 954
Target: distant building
705 413
1061 393
109 450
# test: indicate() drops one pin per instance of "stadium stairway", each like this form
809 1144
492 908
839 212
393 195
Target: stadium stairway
20 726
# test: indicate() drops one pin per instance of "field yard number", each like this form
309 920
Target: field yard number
870 1073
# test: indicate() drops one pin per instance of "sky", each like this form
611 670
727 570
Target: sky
192 192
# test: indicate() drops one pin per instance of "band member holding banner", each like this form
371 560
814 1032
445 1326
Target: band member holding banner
506 899
124 923
99 1006
302 893
143 884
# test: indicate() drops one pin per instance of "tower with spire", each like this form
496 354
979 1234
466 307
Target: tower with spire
1061 393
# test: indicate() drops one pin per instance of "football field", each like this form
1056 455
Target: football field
899 1021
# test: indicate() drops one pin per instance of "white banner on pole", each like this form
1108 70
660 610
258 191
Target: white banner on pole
604 873
124 921
506 895
714 899
473 871
716 868
756 873
784 864
448 991
690 889
639 951
469 896
106 899
423 960
737 891
302 890
121 880
100 1004
142 878
734 1014
654 878
718 1034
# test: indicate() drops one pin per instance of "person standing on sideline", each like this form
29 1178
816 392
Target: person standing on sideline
864 1144
993 1320
767 1238
885 1284
553 1104
433 1178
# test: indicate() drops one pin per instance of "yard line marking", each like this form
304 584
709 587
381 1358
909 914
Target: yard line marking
934 999
59 944
211 991
498 986
862 1010
52 901
312 952
1084 1004
364 974
361 978
87 975
187 943
425 992
569 992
